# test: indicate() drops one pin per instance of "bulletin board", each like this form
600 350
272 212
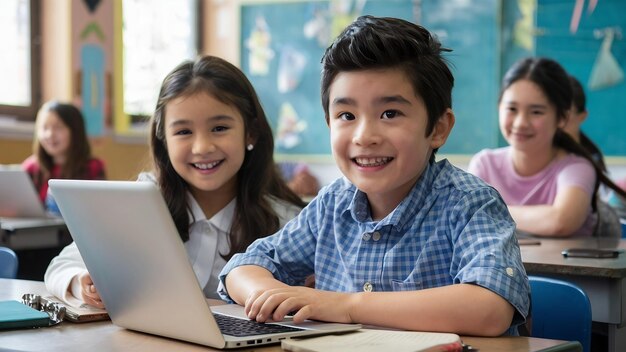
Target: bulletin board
282 44
576 41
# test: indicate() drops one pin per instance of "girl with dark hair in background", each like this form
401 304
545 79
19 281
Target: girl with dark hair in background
548 180
60 149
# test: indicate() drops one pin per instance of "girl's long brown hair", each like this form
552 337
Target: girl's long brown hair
79 151
258 177
550 76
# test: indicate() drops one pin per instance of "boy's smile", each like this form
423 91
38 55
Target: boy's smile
378 134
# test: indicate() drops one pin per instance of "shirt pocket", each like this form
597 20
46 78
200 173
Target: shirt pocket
406 285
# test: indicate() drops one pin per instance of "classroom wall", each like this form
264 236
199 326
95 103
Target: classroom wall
124 159
324 168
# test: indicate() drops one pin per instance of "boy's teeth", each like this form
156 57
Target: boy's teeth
372 161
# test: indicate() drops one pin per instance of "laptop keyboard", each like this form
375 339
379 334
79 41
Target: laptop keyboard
243 327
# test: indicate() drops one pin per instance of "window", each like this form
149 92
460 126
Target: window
19 91
156 37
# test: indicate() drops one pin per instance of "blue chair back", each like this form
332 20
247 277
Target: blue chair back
560 310
8 263
623 221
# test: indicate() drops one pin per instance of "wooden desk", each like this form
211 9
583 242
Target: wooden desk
104 336
32 233
604 280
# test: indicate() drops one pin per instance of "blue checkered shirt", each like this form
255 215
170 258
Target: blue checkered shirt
451 228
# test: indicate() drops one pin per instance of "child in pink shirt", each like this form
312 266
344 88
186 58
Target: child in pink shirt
547 179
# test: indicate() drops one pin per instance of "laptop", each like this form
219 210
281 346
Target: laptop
20 206
136 258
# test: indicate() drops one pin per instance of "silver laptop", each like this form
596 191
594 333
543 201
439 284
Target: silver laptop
137 260
20 206
18 196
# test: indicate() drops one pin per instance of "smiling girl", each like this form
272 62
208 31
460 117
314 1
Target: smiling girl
60 148
212 149
547 179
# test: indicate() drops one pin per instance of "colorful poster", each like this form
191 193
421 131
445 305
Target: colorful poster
92 62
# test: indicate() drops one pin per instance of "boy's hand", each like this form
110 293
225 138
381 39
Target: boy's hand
275 304
88 291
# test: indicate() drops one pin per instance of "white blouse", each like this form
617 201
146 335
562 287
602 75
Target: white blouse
208 238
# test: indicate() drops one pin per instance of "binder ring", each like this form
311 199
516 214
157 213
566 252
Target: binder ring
55 311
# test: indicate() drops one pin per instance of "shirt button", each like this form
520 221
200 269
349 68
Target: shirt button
376 236
367 287
509 271
366 236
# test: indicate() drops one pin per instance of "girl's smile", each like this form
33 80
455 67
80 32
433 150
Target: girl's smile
528 121
206 142
54 136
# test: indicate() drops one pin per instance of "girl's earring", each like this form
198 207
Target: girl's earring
250 147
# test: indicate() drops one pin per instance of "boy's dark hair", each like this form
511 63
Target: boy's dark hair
258 176
79 151
384 42
554 82
579 101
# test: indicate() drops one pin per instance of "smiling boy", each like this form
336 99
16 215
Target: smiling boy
401 241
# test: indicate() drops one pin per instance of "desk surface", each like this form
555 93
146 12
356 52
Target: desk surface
16 224
546 258
104 336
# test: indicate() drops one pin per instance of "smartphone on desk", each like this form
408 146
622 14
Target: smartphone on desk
591 253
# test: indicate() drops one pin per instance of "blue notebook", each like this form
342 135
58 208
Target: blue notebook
14 315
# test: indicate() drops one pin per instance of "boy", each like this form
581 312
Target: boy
402 241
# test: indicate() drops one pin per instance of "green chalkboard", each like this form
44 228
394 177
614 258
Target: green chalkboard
282 44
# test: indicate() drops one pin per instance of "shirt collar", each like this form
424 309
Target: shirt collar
408 207
222 220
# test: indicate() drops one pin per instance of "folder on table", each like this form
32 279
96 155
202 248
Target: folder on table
14 315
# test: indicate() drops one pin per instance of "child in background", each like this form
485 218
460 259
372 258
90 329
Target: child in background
212 149
608 222
548 180
577 115
617 202
60 150
401 241
300 179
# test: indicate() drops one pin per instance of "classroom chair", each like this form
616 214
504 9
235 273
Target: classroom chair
560 310
8 263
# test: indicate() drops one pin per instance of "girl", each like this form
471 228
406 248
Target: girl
547 179
60 149
212 149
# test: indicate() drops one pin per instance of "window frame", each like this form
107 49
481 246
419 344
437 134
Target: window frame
120 116
29 112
